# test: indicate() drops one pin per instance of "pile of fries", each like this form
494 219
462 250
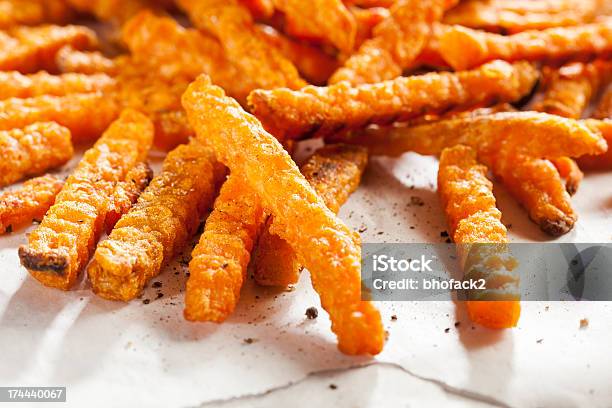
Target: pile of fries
494 87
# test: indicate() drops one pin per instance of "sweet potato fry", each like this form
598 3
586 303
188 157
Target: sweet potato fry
59 249
219 261
16 85
328 21
463 48
68 59
334 172
28 203
512 16
86 115
29 49
33 150
396 42
33 12
322 242
165 217
366 19
232 24
476 227
326 110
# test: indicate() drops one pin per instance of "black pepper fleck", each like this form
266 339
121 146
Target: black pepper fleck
312 313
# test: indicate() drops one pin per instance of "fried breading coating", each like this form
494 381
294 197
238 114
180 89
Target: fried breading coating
366 19
16 85
86 115
219 261
33 150
600 161
28 203
463 48
328 21
513 16
327 110
322 242
166 215
68 59
312 63
260 8
232 24
604 107
59 249
33 12
569 171
395 44
30 49
334 171
126 193
475 225
370 3
117 11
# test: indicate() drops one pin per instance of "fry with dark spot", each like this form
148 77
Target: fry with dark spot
33 150
464 48
16 85
29 202
68 59
326 110
334 171
59 249
30 49
322 242
475 226
219 261
166 215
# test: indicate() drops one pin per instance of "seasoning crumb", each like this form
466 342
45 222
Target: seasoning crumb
394 317
249 340
160 295
157 284
312 313
362 229
444 234
333 386
447 330
146 301
546 308
448 240
9 229
584 323
539 341
414 200
457 324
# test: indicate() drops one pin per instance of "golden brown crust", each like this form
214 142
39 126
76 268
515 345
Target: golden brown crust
33 12
165 217
366 19
326 110
33 150
601 161
301 217
28 203
604 107
116 11
60 247
334 171
68 59
463 48
219 261
16 85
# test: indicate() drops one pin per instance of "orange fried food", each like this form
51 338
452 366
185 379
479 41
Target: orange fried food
28 203
117 11
322 242
16 85
165 217
366 19
33 150
33 12
312 63
260 8
520 15
395 44
599 161
475 225
569 171
464 48
68 59
86 115
29 49
58 250
370 3
232 24
327 110
219 261
604 107
334 171
328 21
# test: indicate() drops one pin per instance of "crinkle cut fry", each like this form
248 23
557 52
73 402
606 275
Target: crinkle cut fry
476 227
513 16
231 23
33 150
326 110
68 60
86 115
166 215
28 203
301 217
30 49
395 44
463 48
219 261
334 171
328 21
33 12
60 247
13 84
